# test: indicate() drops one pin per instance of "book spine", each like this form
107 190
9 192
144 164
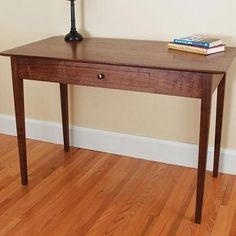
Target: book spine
187 48
192 43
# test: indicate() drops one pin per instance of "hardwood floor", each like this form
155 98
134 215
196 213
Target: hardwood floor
91 193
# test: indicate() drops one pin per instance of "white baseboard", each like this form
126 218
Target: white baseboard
181 154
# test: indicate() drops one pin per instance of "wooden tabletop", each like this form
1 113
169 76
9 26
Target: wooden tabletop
139 53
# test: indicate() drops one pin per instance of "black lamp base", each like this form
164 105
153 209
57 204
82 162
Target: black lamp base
73 36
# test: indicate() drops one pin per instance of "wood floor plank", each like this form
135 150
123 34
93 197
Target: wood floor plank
232 198
121 201
232 231
135 204
184 189
60 194
214 197
95 202
224 221
15 191
38 191
7 223
89 193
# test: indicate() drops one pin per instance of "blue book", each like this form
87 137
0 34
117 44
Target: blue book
199 41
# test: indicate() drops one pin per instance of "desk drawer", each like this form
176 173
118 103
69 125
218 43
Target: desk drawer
107 76
103 76
161 81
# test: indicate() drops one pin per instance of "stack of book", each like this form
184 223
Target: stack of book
198 44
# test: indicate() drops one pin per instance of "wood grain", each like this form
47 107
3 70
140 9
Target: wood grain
203 143
18 88
90 193
65 116
137 53
169 82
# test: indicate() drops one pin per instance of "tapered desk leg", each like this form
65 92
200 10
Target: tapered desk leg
203 144
18 90
218 129
65 115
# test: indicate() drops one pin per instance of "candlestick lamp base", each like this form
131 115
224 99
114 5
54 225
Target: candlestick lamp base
73 36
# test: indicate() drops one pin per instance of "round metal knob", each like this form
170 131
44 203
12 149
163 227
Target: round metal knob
101 76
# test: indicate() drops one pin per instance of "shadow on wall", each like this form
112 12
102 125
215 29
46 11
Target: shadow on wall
229 100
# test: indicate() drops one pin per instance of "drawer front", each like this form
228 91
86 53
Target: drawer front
160 81
84 74
107 77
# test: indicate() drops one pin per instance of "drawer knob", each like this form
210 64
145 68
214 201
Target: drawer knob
101 76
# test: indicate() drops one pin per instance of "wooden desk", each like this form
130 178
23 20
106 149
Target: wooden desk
144 66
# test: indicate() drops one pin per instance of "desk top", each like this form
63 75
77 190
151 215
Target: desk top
138 53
